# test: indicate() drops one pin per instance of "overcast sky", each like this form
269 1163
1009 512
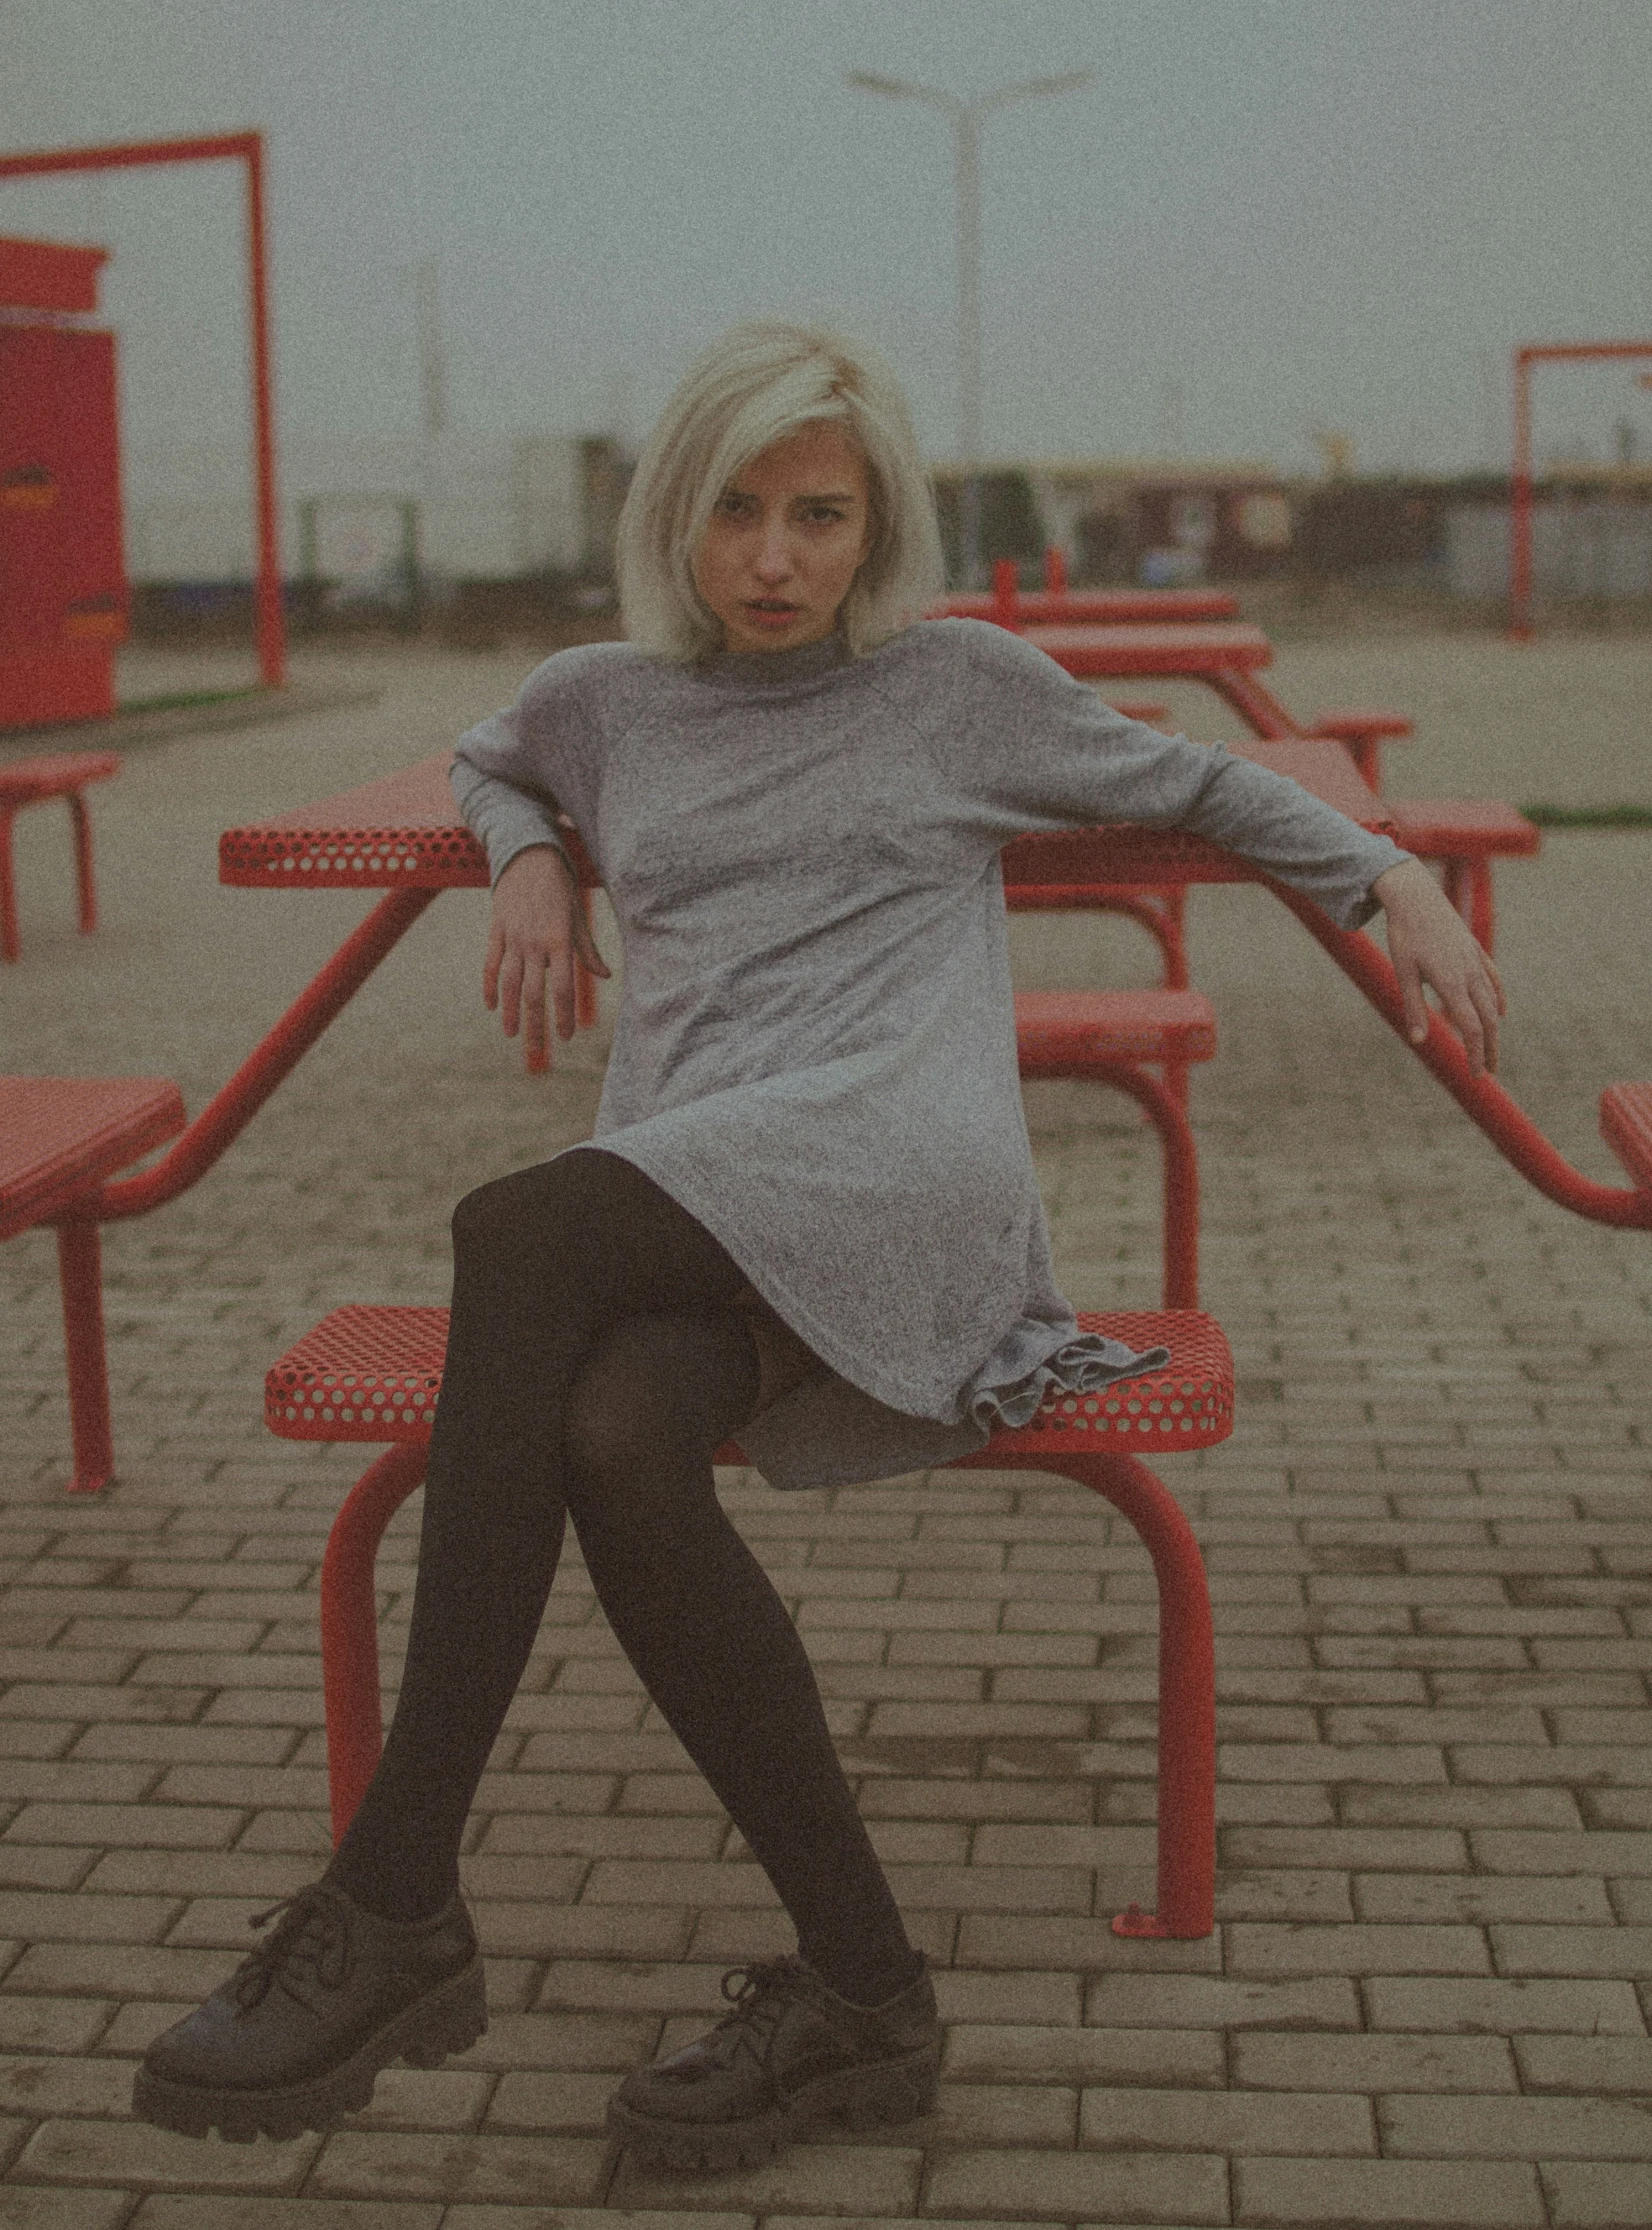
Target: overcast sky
1260 216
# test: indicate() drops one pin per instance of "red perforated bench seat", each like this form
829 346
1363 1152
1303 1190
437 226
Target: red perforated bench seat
373 1374
60 1136
1626 1126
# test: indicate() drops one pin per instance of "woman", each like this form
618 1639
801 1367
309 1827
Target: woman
807 1215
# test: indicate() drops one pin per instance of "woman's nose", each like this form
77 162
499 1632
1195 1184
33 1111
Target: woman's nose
774 553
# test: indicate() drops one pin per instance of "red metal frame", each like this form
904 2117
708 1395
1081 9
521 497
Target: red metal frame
1510 1129
246 147
271 1061
24 782
59 1137
402 832
372 1374
1521 490
1117 1039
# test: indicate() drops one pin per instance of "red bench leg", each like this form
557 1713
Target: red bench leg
1186 1891
85 887
1187 1705
350 1626
80 1276
1468 886
10 944
1181 1166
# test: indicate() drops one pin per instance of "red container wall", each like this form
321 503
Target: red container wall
62 578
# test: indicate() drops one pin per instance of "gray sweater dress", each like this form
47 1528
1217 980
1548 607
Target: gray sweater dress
815 1049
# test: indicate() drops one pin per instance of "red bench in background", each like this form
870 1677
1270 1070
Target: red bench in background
1464 836
60 1137
1118 1038
57 774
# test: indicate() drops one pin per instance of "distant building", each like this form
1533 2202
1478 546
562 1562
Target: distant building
1152 520
1160 524
367 516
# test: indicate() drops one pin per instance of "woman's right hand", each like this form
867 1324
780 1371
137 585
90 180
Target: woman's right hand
537 931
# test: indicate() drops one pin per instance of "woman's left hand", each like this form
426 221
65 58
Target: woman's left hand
1430 944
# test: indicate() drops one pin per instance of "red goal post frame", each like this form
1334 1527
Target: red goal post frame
1520 524
246 147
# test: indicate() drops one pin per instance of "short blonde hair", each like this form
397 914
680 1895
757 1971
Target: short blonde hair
759 384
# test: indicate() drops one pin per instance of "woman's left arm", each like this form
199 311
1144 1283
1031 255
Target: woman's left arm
1431 946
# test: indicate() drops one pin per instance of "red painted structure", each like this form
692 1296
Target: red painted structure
62 576
56 774
1520 521
248 148
372 1375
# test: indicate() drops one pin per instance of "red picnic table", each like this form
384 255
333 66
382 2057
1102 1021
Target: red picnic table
1095 607
402 836
1463 834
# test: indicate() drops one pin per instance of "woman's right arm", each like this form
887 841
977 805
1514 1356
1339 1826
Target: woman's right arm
512 775
537 931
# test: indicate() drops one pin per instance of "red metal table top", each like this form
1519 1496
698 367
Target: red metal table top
1111 653
1096 607
1466 827
59 1135
403 832
53 773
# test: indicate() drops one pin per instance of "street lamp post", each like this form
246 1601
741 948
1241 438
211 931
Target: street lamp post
966 125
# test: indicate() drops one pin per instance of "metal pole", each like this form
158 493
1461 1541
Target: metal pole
1520 506
967 127
272 629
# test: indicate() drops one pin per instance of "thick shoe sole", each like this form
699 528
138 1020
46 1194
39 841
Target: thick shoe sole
448 2019
901 2090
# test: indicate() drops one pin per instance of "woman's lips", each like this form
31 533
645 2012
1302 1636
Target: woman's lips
773 615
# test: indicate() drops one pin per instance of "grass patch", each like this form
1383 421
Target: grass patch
186 700
1590 816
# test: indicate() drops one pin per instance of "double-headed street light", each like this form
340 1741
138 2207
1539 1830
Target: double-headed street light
966 125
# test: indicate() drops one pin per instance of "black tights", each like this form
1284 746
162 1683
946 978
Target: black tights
596 1357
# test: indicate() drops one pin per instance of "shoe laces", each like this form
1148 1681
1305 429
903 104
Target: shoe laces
313 1931
759 1995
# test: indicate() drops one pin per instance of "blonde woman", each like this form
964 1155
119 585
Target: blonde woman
807 1216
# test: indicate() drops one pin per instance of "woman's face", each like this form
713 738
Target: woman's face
785 541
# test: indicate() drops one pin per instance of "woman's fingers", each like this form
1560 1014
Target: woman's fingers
536 1048
1410 974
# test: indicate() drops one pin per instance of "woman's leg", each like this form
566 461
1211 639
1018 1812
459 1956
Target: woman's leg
702 1624
544 1262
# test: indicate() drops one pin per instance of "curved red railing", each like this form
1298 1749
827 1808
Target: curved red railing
1508 1126
270 1062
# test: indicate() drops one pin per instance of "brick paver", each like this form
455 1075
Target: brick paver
1429 1542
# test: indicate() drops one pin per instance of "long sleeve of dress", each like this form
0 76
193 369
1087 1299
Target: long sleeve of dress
514 772
1030 750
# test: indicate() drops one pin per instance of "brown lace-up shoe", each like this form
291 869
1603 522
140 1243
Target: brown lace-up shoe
791 2054
297 2035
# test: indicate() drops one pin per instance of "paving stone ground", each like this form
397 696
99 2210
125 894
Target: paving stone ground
1428 1545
